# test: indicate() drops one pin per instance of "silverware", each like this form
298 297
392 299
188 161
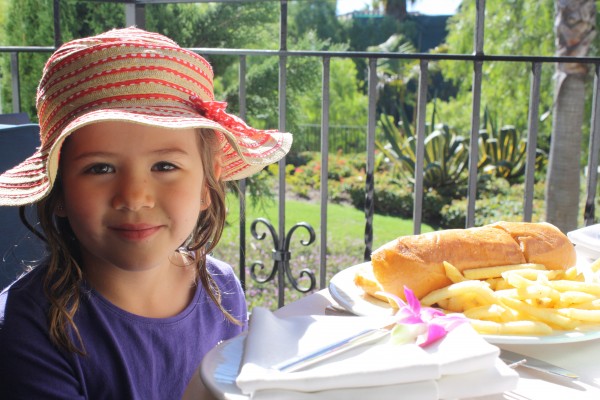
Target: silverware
330 350
519 360
334 309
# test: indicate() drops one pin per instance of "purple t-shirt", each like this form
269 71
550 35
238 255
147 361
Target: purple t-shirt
128 356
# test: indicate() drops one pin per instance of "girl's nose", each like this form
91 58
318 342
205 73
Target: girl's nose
133 194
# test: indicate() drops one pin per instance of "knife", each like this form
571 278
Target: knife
522 360
333 349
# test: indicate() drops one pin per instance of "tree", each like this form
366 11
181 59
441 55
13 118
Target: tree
393 8
19 16
393 76
318 16
30 23
4 61
3 11
523 28
575 29
346 98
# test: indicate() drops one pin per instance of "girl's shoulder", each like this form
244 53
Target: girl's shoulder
217 267
232 295
23 304
223 275
27 286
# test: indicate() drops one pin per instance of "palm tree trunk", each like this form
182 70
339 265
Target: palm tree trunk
395 8
575 28
562 185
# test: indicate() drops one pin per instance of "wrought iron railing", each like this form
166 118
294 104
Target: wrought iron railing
281 255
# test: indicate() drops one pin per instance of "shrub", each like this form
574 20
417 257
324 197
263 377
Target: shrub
488 210
488 185
497 201
392 197
305 179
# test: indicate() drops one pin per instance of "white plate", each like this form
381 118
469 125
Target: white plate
587 241
221 366
354 299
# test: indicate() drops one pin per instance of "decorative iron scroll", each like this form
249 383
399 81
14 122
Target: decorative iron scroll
281 257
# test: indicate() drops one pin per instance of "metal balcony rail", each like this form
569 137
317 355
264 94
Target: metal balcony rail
281 255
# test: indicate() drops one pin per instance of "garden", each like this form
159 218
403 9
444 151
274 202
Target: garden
314 26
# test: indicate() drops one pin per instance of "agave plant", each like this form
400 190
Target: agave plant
446 153
503 151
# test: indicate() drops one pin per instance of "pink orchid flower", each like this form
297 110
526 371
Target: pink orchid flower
426 324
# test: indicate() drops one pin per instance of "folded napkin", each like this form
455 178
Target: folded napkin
489 381
272 340
462 350
383 369
484 382
423 390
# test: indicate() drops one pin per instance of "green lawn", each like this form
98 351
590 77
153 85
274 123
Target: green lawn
345 224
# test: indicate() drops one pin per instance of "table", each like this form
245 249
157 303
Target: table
582 358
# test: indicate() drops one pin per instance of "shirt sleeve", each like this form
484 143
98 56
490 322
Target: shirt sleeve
31 367
232 294
239 307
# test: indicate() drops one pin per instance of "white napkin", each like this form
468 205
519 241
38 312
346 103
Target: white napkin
272 340
463 350
491 380
424 390
382 369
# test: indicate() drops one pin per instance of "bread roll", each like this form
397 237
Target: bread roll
541 243
417 261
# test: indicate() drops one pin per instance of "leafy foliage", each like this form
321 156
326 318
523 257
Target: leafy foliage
503 151
497 201
347 111
394 74
346 185
514 27
30 23
318 16
303 79
445 154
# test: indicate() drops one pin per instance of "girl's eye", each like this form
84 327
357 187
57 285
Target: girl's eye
163 166
99 169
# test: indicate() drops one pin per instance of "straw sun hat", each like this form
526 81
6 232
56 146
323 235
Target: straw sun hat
134 76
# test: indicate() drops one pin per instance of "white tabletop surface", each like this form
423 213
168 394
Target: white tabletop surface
582 358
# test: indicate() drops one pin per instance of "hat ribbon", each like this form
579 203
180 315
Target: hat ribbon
215 111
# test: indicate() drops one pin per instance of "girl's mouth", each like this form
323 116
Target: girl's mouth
135 231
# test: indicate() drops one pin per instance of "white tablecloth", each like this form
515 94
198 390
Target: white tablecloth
582 358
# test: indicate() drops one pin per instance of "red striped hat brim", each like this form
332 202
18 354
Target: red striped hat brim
140 77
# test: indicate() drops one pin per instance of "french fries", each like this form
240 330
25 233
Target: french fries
511 327
493 272
453 273
523 299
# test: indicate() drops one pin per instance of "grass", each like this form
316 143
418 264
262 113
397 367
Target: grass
345 243
343 222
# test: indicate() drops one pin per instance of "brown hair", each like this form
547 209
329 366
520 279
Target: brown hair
64 276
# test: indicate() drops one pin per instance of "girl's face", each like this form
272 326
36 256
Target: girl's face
132 193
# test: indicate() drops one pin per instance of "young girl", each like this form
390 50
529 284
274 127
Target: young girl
129 186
